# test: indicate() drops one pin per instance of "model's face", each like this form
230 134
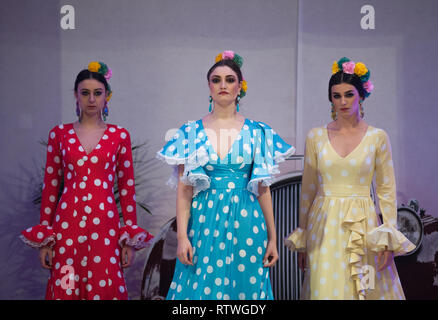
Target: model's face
91 96
345 99
224 85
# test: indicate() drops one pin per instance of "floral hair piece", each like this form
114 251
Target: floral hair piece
349 67
231 55
103 69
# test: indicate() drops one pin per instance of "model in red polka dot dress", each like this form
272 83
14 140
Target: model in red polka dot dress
83 226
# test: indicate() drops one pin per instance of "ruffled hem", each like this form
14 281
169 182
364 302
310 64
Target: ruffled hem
354 222
253 184
135 237
38 236
386 237
197 159
297 240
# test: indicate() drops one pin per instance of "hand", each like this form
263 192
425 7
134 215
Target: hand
384 259
46 256
128 256
271 255
184 251
302 260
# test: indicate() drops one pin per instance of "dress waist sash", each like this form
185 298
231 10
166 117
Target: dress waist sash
228 182
338 190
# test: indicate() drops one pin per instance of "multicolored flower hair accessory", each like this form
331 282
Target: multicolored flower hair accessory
359 69
105 71
231 55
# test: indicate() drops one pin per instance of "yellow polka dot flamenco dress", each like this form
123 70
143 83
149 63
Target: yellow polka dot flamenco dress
338 225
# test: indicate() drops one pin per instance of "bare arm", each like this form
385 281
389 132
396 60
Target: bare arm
265 201
183 204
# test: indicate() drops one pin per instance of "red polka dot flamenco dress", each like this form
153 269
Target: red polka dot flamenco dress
82 225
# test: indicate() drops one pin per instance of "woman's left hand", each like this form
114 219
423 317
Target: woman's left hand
128 255
271 255
384 259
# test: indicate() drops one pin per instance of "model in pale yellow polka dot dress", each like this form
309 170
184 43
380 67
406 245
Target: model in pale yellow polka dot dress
345 250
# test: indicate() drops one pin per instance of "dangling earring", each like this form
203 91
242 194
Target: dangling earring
334 115
105 112
237 105
362 113
78 111
211 100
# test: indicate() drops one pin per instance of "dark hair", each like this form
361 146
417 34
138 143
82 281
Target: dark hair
87 74
340 77
229 63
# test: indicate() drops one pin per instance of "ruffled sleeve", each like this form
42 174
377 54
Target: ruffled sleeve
42 234
38 236
298 238
135 237
269 150
187 147
130 234
386 236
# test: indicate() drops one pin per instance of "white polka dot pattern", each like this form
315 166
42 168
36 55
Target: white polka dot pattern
339 228
226 227
83 247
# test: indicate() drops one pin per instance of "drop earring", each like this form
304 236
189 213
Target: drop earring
78 111
237 105
105 112
211 100
334 116
362 113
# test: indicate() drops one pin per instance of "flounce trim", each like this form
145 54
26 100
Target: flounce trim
195 159
253 184
199 158
297 240
199 181
135 237
354 222
281 157
38 236
386 237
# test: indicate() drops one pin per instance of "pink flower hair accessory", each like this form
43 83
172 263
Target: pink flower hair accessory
368 86
227 54
359 69
231 55
108 74
348 67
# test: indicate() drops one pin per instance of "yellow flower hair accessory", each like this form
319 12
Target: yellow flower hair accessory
231 55
94 66
360 69
218 58
244 88
347 66
228 54
109 96
335 67
103 69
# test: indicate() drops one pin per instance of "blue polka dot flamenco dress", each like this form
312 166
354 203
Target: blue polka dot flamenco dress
226 227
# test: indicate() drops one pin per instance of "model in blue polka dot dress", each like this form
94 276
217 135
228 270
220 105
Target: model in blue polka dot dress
226 228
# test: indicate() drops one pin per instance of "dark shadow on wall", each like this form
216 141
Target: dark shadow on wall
30 37
22 275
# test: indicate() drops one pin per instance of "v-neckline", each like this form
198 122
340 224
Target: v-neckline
352 151
80 143
232 144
